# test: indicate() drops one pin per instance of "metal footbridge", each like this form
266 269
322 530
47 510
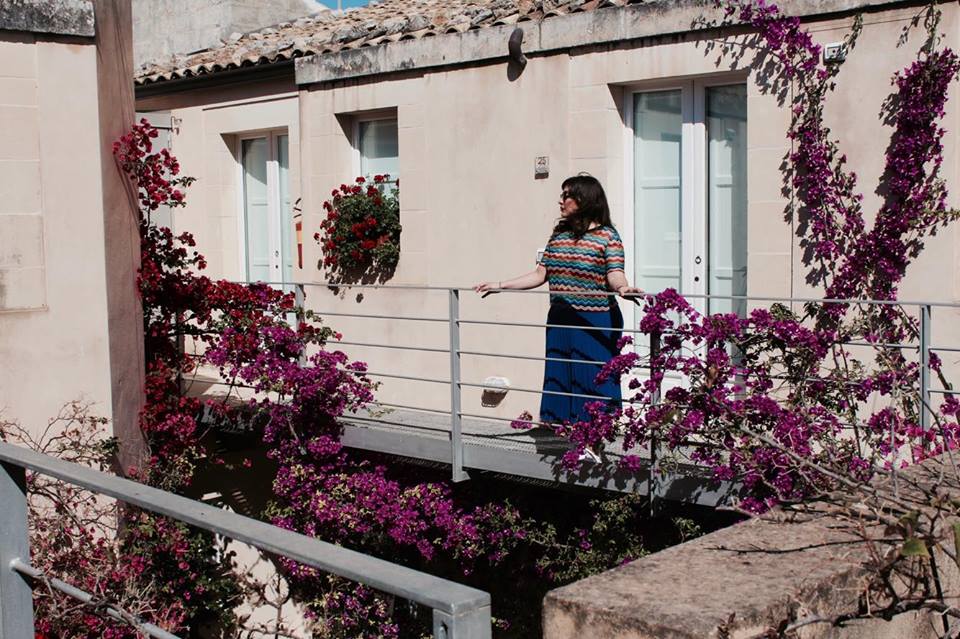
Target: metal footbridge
422 337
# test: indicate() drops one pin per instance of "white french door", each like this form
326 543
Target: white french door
267 219
689 144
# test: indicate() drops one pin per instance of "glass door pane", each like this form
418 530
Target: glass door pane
256 208
379 148
657 125
286 212
727 195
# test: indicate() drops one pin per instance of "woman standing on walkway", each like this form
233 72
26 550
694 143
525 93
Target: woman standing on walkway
584 255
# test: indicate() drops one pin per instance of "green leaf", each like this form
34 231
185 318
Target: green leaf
909 522
914 547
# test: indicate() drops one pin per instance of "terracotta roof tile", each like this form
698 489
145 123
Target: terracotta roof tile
378 23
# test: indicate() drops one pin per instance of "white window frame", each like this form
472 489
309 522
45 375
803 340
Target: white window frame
273 199
693 166
371 117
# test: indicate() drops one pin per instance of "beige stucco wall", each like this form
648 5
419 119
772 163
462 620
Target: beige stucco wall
53 309
472 209
70 318
207 127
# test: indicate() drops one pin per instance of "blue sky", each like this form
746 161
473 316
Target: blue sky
346 3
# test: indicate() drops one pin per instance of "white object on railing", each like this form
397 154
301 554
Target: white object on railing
494 390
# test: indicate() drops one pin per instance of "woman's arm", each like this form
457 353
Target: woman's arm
533 279
617 281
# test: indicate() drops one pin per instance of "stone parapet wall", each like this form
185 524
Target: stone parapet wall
738 583
63 17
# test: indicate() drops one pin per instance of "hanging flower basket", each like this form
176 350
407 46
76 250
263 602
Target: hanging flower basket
360 234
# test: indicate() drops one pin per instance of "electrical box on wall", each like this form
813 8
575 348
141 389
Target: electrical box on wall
541 167
834 53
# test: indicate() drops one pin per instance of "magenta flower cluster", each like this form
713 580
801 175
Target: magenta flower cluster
776 401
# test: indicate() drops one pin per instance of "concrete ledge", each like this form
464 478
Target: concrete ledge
63 17
735 583
601 26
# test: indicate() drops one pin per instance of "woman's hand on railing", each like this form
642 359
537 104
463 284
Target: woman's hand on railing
487 288
631 293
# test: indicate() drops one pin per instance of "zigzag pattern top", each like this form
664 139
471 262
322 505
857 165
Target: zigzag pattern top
582 265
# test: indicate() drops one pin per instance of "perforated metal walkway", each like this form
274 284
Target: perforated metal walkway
495 447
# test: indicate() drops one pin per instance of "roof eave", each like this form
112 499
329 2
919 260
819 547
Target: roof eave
257 73
579 30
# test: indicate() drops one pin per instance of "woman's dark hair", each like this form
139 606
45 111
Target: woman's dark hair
592 205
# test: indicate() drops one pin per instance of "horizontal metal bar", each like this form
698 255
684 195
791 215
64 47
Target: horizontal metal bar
84 596
427 410
370 419
879 344
392 375
948 349
218 382
707 296
402 348
543 392
406 583
531 325
334 285
389 317
530 357
943 392
503 419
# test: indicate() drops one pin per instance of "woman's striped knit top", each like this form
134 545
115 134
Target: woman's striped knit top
576 265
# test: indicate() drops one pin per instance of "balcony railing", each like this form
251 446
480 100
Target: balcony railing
459 612
461 452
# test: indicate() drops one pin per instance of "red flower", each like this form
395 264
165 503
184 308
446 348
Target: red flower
378 201
368 245
371 222
378 179
360 180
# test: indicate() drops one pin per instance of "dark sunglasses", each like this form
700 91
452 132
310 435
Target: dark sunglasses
566 194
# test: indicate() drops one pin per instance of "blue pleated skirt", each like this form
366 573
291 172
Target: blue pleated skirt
575 343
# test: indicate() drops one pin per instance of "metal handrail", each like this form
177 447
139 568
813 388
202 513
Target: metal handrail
459 612
706 296
921 345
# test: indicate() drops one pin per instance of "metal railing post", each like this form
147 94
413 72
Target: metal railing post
300 299
473 624
925 329
456 435
16 595
654 481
